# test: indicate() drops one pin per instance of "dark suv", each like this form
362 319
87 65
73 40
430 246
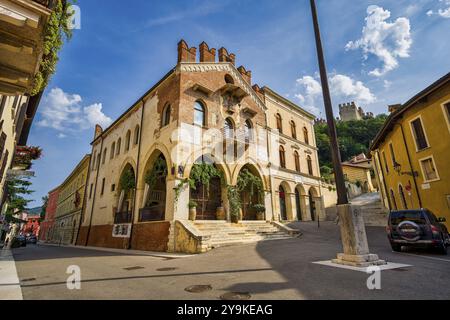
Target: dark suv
417 228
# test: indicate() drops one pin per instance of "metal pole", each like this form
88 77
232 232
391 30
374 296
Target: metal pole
338 173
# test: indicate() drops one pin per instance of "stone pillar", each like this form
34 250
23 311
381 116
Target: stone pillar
292 215
305 208
177 210
354 239
268 205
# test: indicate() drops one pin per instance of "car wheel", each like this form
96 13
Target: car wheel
442 249
396 247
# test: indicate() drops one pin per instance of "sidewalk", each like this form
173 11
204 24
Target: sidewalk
124 251
9 280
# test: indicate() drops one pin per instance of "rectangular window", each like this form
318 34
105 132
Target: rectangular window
385 162
429 170
446 109
391 148
90 191
419 134
103 187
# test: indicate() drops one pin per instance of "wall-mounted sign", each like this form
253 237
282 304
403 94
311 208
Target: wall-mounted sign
426 186
121 230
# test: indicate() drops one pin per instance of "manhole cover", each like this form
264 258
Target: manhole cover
166 269
133 268
28 280
198 288
236 296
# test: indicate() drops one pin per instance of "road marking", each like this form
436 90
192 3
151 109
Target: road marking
425 257
9 283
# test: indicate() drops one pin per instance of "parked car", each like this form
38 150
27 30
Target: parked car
418 229
19 241
32 239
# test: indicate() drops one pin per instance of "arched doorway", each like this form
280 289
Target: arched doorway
207 195
299 202
252 192
312 203
127 186
154 201
283 209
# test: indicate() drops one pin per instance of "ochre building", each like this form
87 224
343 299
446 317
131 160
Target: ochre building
411 152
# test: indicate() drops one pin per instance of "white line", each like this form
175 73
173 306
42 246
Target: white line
425 257
9 283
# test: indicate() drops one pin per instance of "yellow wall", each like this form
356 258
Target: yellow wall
355 174
437 130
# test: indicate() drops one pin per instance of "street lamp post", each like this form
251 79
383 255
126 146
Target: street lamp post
353 231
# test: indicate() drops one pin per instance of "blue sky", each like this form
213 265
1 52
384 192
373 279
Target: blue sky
123 48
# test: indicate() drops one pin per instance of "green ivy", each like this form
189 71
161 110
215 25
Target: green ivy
55 31
158 171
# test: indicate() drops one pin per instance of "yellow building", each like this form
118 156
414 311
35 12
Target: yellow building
411 152
70 204
357 171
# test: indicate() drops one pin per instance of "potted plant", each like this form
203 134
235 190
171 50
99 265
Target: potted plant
192 210
260 210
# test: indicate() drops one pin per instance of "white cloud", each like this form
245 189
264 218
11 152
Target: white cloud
442 12
429 12
388 41
343 89
63 112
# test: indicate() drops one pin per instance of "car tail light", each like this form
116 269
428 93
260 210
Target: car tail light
388 229
435 230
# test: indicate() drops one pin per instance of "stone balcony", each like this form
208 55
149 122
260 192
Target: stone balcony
22 25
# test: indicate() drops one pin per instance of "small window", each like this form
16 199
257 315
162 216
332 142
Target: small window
306 135
127 141
282 157
386 167
104 156
446 109
429 170
113 187
402 197
391 148
136 135
279 122
165 120
119 145
419 134
103 187
248 134
199 114
293 130
297 161
310 166
113 150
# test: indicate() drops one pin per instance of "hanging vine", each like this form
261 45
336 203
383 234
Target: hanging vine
127 180
201 173
56 30
158 171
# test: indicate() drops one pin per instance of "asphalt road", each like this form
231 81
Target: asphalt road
267 270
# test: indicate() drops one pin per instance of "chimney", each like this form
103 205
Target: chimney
186 54
98 131
207 55
394 107
225 57
247 75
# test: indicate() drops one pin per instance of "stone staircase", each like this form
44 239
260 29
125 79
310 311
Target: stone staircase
373 212
222 233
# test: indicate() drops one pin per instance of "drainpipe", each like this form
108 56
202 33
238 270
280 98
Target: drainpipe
410 165
137 173
95 193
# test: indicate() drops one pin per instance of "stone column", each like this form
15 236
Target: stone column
268 205
354 239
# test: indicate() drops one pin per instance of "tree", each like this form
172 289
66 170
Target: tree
354 138
44 207
15 190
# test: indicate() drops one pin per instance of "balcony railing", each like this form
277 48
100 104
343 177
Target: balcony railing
122 217
45 3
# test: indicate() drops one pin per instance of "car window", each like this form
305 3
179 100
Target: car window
413 216
432 217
